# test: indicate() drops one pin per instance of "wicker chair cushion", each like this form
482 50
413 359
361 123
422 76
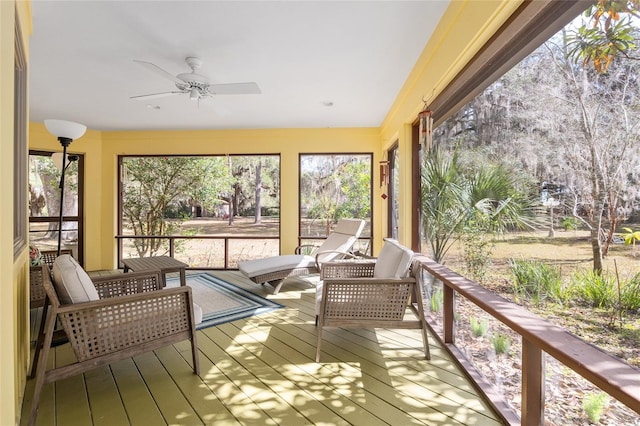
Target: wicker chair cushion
197 313
393 261
71 282
252 268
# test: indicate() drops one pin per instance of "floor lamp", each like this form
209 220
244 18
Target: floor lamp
66 132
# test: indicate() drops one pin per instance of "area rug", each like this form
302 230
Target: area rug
222 301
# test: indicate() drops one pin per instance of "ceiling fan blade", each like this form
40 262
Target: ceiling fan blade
154 68
156 95
235 89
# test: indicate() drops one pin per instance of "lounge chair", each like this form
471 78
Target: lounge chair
276 269
371 293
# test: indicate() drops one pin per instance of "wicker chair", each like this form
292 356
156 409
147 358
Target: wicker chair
350 296
36 290
133 315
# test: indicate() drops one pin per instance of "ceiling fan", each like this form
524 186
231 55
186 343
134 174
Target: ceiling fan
197 86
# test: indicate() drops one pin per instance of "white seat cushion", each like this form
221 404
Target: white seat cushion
253 268
72 283
393 261
341 239
197 313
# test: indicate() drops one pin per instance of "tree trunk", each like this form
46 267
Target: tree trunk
597 250
258 215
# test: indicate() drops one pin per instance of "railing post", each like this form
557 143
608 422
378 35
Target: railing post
226 253
448 314
532 384
171 246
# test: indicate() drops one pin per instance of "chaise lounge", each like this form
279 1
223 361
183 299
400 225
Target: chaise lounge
276 269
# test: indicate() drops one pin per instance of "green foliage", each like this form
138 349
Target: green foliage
335 186
569 223
595 289
155 186
488 198
537 281
479 328
606 33
441 201
594 404
435 303
501 343
630 236
630 294
478 249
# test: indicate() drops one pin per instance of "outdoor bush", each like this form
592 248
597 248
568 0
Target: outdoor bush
569 223
536 281
594 404
479 328
436 300
595 289
630 294
478 250
501 343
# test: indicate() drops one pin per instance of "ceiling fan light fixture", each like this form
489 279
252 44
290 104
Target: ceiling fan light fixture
194 95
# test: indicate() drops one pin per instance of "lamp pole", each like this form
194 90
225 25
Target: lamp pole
65 143
66 132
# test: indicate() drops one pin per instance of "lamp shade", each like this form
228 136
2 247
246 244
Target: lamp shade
65 129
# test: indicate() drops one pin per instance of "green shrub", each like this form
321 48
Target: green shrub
501 343
436 300
569 223
478 250
594 404
536 281
630 294
596 290
479 328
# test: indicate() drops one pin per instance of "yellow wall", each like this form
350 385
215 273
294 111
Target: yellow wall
465 27
14 314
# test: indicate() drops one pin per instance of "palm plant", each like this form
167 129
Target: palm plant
490 198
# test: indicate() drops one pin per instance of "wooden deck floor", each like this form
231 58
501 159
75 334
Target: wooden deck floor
261 371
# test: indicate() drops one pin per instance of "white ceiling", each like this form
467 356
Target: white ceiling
303 55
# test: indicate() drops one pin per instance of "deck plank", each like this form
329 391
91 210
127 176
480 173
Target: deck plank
104 399
204 401
342 387
139 404
300 388
172 404
262 370
74 408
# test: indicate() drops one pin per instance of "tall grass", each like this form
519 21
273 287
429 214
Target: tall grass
602 291
536 281
630 294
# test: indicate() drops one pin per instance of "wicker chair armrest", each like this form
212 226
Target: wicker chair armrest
36 288
312 248
110 325
117 285
348 268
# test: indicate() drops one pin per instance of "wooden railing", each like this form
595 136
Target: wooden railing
226 238
173 238
607 372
